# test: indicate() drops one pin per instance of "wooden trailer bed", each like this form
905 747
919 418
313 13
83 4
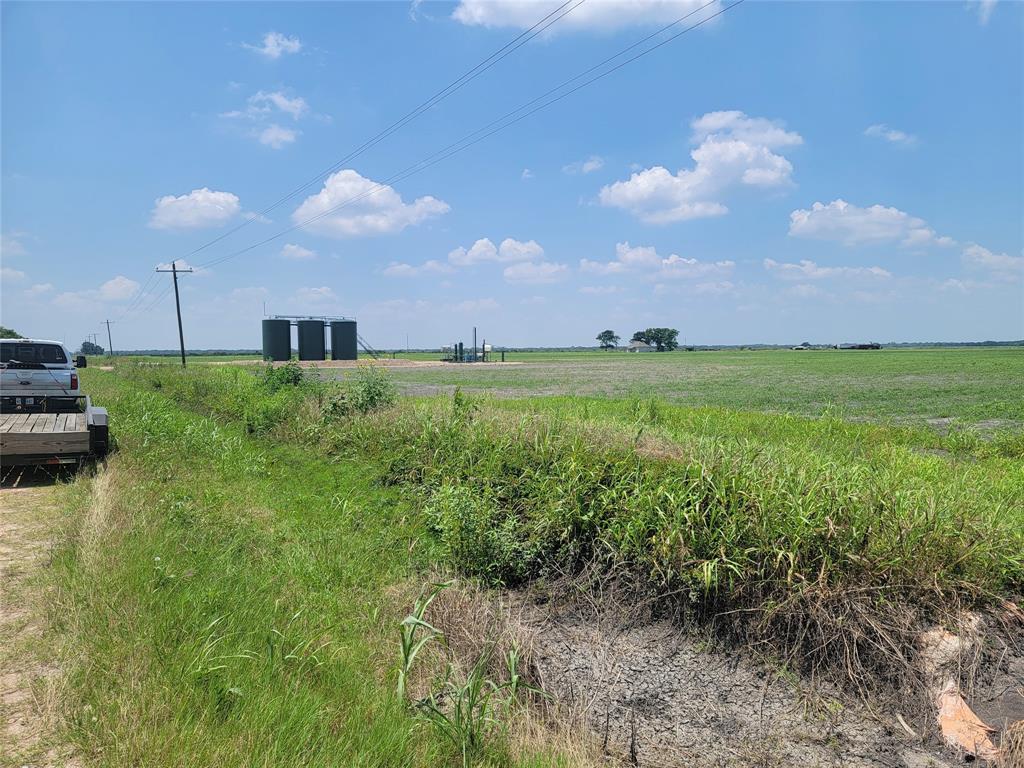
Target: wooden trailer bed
43 434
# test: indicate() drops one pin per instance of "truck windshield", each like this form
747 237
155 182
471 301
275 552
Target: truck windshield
31 353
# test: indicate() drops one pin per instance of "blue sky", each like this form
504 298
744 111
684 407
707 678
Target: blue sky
824 172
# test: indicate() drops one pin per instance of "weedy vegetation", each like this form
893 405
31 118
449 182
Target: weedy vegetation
231 586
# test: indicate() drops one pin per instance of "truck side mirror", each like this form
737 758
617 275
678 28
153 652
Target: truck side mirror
80 361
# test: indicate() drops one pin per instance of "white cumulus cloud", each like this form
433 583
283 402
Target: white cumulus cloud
1002 265
484 250
350 205
645 260
38 289
297 252
263 103
892 135
984 9
276 136
809 270
733 150
591 164
262 109
6 273
535 272
275 45
117 289
11 245
599 15
319 296
849 224
198 209
433 266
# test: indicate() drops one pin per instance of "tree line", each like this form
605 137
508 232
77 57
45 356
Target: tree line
662 339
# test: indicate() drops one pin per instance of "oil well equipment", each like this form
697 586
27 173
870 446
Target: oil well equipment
312 333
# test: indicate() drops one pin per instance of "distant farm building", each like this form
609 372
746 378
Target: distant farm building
640 346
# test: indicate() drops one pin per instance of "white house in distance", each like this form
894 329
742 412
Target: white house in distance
639 346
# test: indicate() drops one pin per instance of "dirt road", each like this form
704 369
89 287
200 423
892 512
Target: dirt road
30 680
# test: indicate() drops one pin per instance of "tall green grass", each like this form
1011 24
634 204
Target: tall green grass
230 599
821 538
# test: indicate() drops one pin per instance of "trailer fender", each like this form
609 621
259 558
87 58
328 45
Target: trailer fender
99 429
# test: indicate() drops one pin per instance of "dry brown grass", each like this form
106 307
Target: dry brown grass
1012 746
32 683
478 622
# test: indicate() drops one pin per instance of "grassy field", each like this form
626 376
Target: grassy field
231 587
235 598
969 385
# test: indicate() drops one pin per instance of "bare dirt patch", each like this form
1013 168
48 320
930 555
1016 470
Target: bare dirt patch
30 682
648 692
663 698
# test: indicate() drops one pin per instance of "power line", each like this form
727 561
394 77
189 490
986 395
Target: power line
456 85
158 299
138 298
502 123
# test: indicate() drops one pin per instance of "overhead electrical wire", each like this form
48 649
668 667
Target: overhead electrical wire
510 47
506 50
138 298
159 298
507 120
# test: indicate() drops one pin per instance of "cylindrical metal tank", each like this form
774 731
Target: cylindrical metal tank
277 340
311 340
343 340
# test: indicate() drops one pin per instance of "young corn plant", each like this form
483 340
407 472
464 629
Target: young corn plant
463 711
415 633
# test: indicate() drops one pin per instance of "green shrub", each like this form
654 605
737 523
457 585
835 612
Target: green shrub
288 375
370 388
477 535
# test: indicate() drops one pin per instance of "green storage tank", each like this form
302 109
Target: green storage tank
277 339
311 340
343 340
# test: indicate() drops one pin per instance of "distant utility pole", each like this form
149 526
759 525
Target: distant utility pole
110 344
177 304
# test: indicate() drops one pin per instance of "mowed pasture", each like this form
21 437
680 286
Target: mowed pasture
973 386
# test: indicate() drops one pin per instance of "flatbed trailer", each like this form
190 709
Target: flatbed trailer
53 438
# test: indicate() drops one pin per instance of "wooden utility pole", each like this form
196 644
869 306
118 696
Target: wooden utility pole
110 344
177 304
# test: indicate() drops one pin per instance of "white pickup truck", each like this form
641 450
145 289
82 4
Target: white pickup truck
44 416
39 374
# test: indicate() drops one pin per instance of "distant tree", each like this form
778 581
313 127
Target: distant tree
88 348
7 333
662 339
608 339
